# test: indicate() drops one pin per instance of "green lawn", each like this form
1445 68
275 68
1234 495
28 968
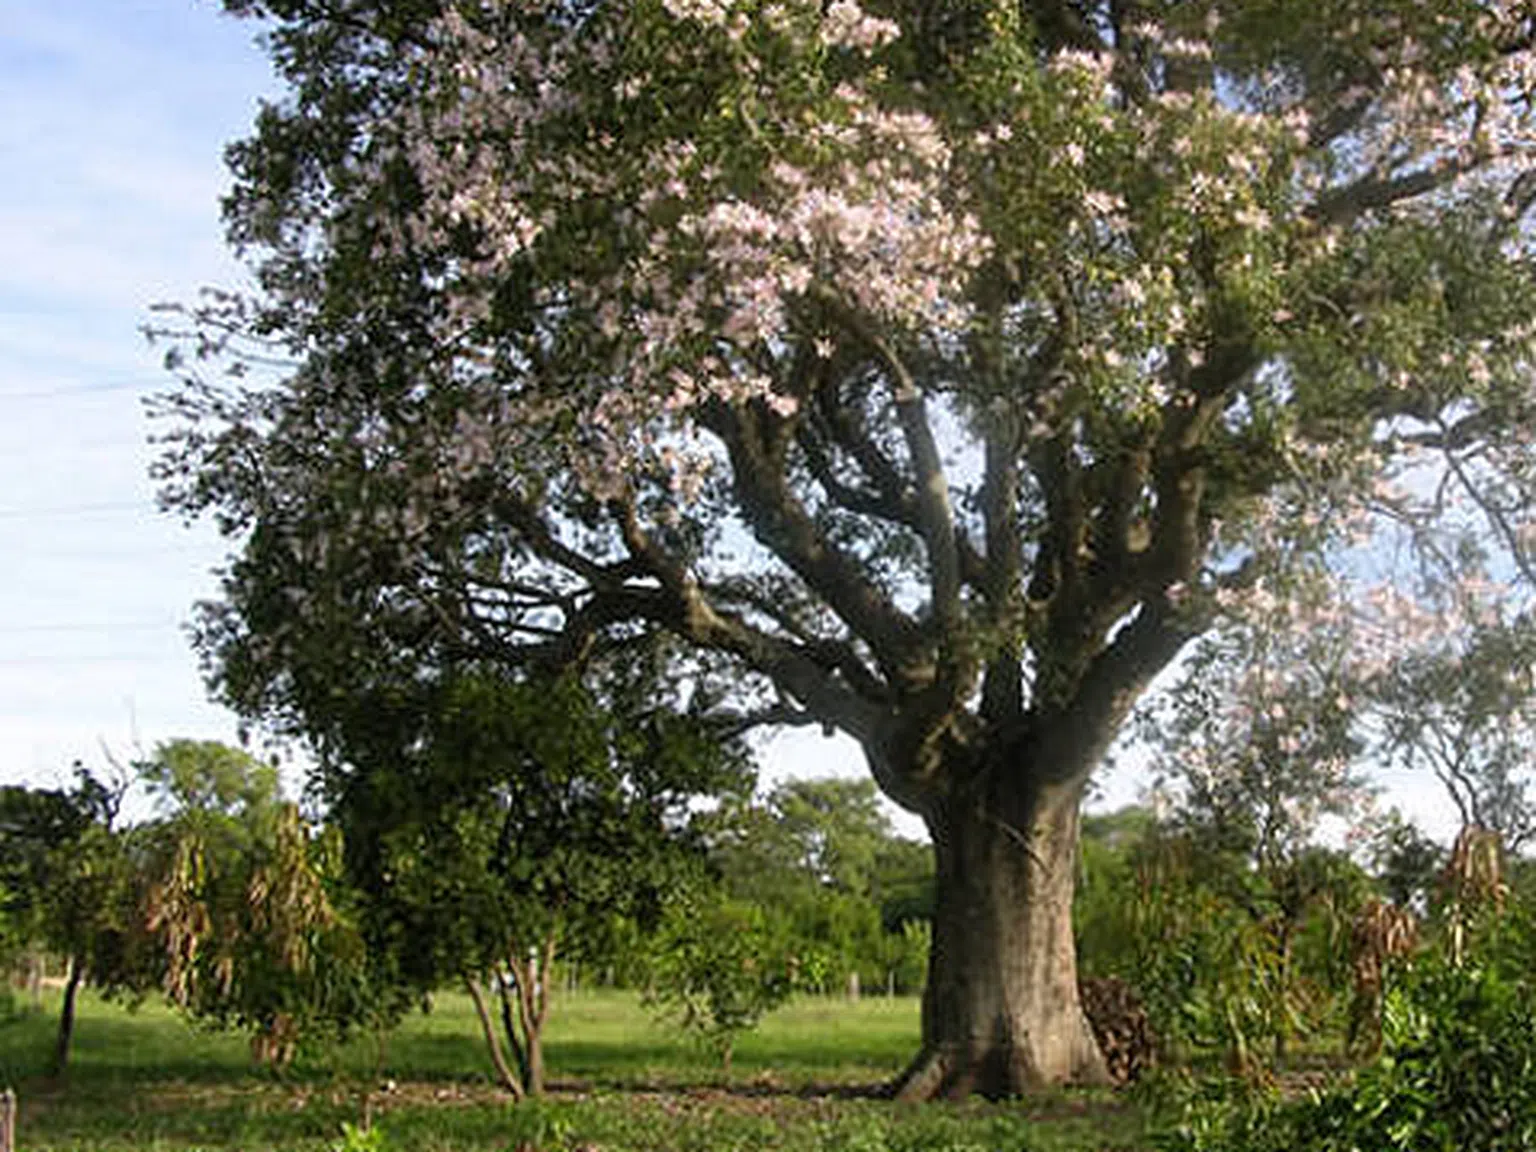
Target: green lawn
145 1080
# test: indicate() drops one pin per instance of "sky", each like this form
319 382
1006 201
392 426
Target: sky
113 119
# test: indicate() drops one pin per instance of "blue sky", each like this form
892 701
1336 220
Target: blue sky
113 119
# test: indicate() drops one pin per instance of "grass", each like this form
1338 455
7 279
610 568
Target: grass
144 1080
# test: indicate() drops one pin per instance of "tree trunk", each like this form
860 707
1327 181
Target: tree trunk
35 978
509 1079
533 1007
67 1018
535 1063
1000 1011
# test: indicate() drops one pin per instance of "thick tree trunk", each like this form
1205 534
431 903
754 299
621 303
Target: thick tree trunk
67 1018
1000 1013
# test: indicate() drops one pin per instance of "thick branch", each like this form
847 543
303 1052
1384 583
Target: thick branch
781 524
854 439
879 505
1055 581
833 654
1117 676
1118 533
1178 542
935 517
1369 193
1003 687
535 532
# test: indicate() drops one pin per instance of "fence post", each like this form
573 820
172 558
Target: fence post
7 1121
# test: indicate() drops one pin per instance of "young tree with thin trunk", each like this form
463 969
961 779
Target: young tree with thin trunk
925 371
1451 687
245 904
66 872
505 827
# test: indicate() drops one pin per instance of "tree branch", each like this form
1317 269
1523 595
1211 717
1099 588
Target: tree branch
1369 193
935 517
781 524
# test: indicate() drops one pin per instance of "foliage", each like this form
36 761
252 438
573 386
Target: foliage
820 857
1456 1071
911 956
11 943
1259 742
838 827
61 866
718 966
202 779
1255 748
1458 695
1457 1063
68 876
358 1138
1227 958
247 904
1108 851
514 823
1405 862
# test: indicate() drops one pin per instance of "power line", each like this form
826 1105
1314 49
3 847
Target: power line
94 388
144 660
212 551
78 509
79 628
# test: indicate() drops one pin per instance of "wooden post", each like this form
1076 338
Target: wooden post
7 1121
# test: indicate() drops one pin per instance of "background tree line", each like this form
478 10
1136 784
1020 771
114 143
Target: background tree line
1237 939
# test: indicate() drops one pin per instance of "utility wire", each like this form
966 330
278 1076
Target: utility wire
103 388
136 552
78 509
77 628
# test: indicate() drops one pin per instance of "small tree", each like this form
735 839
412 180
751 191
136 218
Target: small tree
66 871
510 830
247 903
718 967
1453 689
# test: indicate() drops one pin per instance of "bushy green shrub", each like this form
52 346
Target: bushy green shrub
1456 1073
718 966
1230 960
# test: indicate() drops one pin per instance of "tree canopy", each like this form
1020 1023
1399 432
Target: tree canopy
931 372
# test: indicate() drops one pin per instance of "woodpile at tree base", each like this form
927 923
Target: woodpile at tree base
1120 1025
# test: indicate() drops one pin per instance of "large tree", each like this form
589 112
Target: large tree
931 372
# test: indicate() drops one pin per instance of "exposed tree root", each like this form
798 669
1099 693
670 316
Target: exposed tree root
953 1073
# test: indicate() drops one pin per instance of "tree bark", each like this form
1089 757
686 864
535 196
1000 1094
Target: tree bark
534 991
1001 1014
509 1079
67 1018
